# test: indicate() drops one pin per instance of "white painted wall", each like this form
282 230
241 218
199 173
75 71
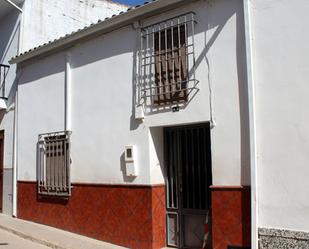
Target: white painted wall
220 57
46 20
9 41
102 119
102 102
9 30
281 68
42 21
41 107
225 75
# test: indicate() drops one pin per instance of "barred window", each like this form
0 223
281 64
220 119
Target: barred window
4 69
167 62
54 164
171 65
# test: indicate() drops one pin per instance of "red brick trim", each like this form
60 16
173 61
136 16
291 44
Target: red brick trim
128 215
231 216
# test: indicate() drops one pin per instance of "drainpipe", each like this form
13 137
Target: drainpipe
67 94
15 119
252 124
15 122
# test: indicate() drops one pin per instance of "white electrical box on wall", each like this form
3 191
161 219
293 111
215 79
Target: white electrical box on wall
130 160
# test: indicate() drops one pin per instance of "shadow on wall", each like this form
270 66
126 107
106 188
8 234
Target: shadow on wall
41 68
110 45
157 136
9 31
217 18
134 123
99 49
12 93
243 101
2 113
9 46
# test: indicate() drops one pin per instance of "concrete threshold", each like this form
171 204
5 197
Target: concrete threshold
51 237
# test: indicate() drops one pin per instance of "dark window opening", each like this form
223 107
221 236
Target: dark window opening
171 67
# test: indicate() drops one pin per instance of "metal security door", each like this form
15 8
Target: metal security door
188 178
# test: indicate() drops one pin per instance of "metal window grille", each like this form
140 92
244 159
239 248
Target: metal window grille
4 69
167 62
54 164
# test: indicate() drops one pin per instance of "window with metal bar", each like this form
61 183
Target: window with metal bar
4 69
167 62
54 164
170 65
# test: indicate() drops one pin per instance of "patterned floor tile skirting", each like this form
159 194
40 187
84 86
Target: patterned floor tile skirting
270 238
231 217
130 216
134 216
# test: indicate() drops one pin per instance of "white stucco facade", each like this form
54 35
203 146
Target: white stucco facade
281 73
103 109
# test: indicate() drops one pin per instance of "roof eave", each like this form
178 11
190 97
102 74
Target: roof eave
106 26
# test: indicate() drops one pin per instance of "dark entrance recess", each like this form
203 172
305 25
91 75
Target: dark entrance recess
188 178
1 167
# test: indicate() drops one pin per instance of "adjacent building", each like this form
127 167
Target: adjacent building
25 24
176 123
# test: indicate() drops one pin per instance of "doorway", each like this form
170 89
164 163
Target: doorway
1 167
188 176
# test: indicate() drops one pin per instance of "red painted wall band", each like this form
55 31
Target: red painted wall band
231 217
130 216
133 216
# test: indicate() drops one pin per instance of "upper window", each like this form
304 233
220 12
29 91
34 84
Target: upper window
4 69
166 62
54 164
171 69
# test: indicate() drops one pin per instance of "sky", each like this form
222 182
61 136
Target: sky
130 2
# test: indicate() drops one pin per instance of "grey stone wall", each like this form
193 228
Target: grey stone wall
282 239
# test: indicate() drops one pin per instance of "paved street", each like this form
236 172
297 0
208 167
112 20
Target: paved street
44 236
11 241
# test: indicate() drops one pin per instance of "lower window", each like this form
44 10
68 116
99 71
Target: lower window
54 164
